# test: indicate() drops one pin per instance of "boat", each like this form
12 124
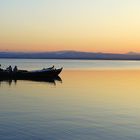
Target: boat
36 74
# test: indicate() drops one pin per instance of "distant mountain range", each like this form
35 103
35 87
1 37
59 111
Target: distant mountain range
71 55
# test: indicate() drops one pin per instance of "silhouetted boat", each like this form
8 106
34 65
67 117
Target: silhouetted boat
29 75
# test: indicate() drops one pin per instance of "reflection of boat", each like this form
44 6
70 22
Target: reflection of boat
49 80
31 75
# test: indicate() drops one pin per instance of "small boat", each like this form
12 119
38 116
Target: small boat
36 74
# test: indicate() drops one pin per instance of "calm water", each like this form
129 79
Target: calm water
71 64
96 100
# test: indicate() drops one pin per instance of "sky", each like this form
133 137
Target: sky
82 25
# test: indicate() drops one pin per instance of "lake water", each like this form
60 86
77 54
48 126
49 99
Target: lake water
96 100
71 64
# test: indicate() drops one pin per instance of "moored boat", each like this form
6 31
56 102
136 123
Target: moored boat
37 74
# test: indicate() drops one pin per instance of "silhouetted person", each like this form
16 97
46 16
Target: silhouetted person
9 69
15 69
1 68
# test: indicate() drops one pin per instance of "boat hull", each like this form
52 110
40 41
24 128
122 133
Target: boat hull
30 74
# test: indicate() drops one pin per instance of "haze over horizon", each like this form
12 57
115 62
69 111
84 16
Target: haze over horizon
89 26
67 51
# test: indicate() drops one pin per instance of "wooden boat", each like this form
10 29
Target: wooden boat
37 74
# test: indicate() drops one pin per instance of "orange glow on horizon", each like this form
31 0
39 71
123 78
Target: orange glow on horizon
88 26
48 48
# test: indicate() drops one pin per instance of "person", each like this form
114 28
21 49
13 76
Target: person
15 69
1 68
9 69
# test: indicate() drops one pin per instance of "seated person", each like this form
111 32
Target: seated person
1 68
15 69
9 69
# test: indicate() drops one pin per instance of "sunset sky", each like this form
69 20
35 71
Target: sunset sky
82 25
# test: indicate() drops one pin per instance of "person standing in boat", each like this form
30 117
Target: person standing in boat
15 69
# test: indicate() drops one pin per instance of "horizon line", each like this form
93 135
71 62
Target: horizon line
9 51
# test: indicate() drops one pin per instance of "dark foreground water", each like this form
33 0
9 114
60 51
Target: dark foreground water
88 104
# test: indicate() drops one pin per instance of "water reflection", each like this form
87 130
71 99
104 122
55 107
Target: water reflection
89 105
51 81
